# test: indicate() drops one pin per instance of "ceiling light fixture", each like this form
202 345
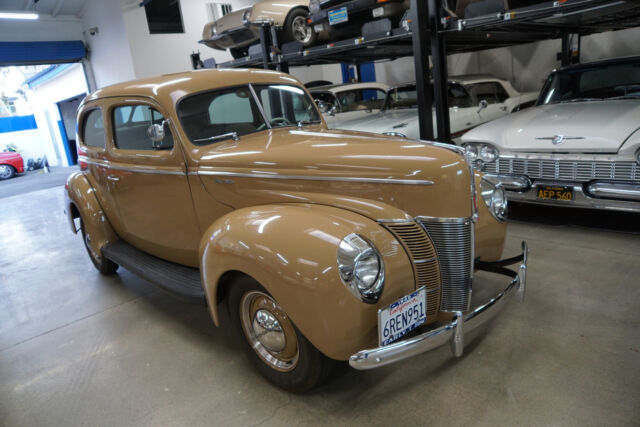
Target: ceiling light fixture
12 15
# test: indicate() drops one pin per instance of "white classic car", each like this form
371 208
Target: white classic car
579 146
349 101
472 99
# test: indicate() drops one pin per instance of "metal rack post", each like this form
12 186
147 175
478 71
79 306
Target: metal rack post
420 40
439 60
264 45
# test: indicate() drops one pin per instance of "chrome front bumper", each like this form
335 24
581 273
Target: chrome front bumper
452 333
595 194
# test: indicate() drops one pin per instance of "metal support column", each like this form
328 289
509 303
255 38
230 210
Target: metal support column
439 61
420 38
265 45
565 54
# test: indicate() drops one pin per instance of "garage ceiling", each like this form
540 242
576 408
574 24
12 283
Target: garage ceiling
45 7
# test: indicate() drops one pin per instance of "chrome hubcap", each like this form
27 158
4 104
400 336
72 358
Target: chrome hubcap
5 171
301 31
269 331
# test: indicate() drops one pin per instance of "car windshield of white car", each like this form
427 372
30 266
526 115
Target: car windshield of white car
407 97
604 81
361 99
286 105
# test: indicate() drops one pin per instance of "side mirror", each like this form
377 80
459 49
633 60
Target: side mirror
156 134
332 111
482 105
322 106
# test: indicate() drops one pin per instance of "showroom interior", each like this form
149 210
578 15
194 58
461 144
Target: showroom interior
309 212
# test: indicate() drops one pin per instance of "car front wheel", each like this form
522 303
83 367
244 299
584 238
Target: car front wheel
6 171
103 265
273 344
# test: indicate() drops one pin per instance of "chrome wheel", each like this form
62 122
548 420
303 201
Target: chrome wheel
6 171
301 31
269 331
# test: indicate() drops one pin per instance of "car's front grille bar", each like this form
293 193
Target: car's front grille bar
453 239
570 170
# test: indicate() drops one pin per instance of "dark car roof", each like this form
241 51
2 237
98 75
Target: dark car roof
596 64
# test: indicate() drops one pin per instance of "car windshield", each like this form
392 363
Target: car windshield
407 97
612 81
232 112
360 99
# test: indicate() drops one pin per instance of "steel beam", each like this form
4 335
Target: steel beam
420 39
439 61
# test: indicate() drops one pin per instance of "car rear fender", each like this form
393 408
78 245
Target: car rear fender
81 202
291 250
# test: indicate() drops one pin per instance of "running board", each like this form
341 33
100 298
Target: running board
179 280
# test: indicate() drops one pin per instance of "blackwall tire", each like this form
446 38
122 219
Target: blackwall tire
292 363
297 29
103 265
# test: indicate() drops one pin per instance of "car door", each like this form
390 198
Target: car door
463 114
491 93
149 183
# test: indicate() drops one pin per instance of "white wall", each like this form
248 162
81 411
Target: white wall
44 98
109 50
28 143
43 29
155 54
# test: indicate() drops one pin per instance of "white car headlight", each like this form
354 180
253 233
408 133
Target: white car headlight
481 153
495 199
361 268
314 6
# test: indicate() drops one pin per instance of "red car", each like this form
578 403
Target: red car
10 164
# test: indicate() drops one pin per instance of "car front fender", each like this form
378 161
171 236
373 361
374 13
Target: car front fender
291 250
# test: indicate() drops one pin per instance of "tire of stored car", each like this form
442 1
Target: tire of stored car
6 172
238 52
273 344
297 29
103 264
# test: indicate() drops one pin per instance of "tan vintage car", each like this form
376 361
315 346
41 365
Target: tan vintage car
239 29
314 245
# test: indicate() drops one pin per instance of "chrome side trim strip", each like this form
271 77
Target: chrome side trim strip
441 219
318 178
139 169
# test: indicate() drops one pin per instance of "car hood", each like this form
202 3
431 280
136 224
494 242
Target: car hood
315 163
383 121
587 127
9 155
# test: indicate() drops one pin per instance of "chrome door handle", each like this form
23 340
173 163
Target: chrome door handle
113 178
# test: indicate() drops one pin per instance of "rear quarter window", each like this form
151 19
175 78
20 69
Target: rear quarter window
93 129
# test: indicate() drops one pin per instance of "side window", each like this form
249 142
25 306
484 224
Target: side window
130 126
93 129
458 96
501 94
484 91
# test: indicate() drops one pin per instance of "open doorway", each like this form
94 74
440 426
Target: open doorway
68 109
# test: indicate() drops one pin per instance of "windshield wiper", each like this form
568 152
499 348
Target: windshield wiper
307 122
630 96
232 135
580 100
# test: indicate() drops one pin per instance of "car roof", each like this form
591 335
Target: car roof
172 87
595 64
349 86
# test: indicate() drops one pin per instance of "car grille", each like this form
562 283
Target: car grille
570 170
453 239
423 257
446 276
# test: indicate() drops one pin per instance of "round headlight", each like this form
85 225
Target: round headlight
361 268
471 151
495 199
487 153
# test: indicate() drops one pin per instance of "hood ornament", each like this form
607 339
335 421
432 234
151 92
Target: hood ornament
559 139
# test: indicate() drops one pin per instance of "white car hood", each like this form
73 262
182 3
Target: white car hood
383 121
587 127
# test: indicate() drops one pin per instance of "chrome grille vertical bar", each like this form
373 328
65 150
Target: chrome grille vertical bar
453 239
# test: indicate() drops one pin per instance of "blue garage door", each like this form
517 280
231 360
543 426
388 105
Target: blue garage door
30 53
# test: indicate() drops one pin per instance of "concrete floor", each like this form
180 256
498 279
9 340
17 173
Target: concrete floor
77 348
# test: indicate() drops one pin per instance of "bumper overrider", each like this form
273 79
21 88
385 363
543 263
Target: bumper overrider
453 332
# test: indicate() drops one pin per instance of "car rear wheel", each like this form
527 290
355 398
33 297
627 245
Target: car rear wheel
103 265
272 342
297 29
7 171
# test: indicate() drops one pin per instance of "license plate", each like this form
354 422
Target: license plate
548 192
402 316
338 16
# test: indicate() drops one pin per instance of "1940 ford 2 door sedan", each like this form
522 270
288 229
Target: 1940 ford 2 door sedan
314 245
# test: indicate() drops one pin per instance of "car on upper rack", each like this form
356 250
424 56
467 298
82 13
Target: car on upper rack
11 163
472 100
240 29
341 19
349 101
579 146
312 245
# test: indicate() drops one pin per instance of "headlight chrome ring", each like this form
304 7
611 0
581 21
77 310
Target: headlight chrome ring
495 198
481 153
361 268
